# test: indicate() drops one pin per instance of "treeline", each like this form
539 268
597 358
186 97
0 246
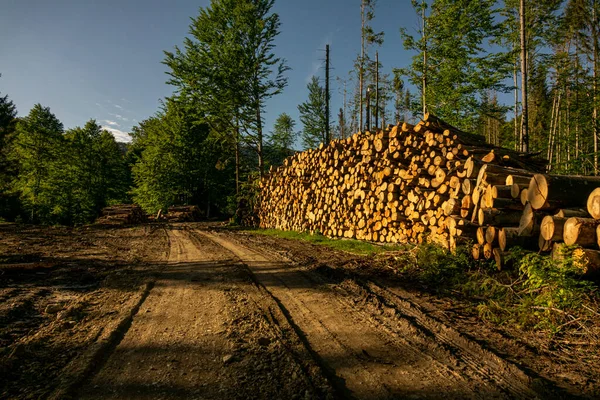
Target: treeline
523 74
52 176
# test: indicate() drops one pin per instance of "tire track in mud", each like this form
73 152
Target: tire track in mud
378 345
205 332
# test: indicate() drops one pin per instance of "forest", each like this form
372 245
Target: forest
208 142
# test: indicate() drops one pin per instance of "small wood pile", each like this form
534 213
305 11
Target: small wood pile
184 214
430 181
122 214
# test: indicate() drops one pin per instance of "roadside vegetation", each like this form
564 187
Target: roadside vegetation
537 294
348 245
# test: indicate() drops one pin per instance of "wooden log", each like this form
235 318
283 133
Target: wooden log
572 212
593 203
477 251
488 251
551 228
497 217
543 244
580 231
481 235
521 180
501 259
528 225
556 191
509 237
491 235
524 196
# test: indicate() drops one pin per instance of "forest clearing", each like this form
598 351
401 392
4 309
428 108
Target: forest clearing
197 225
92 316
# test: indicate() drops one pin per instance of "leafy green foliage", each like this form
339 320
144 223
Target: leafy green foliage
282 139
312 115
548 294
228 70
8 115
37 144
66 178
434 266
179 161
458 68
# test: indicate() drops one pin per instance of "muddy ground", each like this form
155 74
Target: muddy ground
197 311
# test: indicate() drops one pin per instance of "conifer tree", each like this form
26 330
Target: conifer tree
36 149
312 115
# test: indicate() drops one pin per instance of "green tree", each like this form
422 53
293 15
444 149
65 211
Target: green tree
228 69
8 116
452 65
368 37
36 149
92 174
180 161
282 138
312 115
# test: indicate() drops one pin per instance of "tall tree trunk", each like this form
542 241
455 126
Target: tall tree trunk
237 158
259 145
595 82
516 83
549 152
361 67
524 117
377 89
424 61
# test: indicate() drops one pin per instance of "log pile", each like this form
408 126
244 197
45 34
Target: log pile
122 214
184 214
431 182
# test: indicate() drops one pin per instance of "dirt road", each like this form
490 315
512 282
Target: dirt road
188 341
193 311
205 331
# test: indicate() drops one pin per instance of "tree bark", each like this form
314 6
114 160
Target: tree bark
524 111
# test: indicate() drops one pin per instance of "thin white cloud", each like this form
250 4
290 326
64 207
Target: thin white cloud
109 122
98 104
125 100
118 106
319 57
119 135
316 66
119 117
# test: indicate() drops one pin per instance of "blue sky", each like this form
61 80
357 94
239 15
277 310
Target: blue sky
102 59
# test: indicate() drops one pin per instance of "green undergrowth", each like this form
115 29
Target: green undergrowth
348 245
537 293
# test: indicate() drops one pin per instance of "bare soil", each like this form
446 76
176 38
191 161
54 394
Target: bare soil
194 311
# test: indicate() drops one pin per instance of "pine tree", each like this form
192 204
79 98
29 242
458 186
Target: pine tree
282 138
312 115
8 115
37 145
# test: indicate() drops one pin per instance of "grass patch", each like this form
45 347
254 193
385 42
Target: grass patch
348 245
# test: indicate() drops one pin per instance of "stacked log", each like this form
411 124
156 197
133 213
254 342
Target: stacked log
122 214
184 214
431 181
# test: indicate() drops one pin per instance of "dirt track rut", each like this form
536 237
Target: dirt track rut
385 349
204 331
228 321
